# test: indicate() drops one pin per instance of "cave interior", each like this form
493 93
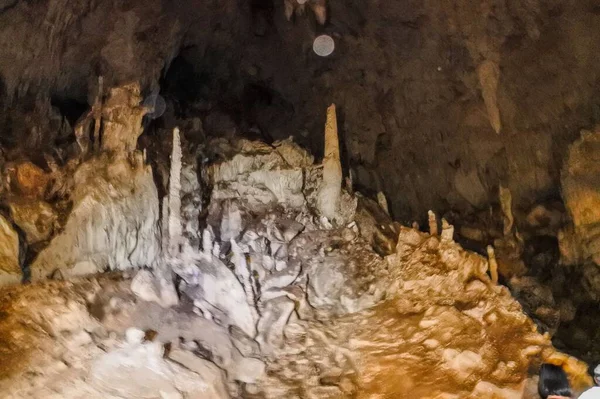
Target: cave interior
474 121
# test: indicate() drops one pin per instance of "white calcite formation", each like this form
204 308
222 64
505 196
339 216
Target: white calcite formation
113 224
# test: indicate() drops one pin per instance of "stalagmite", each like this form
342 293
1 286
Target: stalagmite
488 73
82 136
164 231
243 271
433 227
174 226
97 111
506 204
330 190
207 241
447 230
493 264
382 201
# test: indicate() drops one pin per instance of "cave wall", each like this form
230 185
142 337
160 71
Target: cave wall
404 78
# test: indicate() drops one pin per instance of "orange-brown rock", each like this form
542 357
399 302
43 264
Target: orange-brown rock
30 180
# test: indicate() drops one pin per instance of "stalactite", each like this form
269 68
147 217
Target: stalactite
382 200
488 73
447 231
174 226
506 204
329 194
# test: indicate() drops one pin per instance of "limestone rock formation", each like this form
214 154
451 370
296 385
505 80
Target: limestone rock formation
113 224
580 182
10 271
36 218
276 303
328 200
29 180
423 322
122 115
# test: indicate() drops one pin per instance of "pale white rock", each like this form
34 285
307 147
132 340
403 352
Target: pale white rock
286 185
164 279
218 286
133 372
174 218
243 272
207 241
189 178
279 250
247 369
113 223
231 221
144 287
134 336
463 364
140 371
274 316
246 345
284 277
280 265
269 263
208 372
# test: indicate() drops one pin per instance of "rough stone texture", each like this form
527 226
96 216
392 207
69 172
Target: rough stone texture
30 180
213 284
343 276
113 224
580 181
140 371
423 340
10 271
209 373
36 218
122 119
414 114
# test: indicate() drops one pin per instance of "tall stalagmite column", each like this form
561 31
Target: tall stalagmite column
175 230
329 194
